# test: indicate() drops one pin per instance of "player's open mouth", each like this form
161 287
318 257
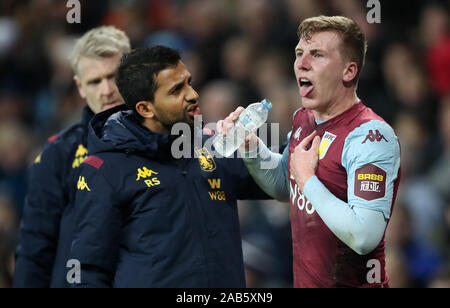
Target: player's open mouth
193 110
306 87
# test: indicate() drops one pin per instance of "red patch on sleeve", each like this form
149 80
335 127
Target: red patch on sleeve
370 182
94 161
52 138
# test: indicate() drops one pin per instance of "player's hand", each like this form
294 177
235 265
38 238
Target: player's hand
305 159
251 141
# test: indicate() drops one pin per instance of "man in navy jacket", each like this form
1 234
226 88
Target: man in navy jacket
145 218
46 227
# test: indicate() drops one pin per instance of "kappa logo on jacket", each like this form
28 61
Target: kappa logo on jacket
37 160
80 156
146 174
82 185
297 134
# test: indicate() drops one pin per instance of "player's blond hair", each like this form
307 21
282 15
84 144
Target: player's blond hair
353 41
101 42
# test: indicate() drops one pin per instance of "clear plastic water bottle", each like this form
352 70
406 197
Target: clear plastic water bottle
253 117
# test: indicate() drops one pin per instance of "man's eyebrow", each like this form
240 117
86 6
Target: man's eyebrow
93 80
178 85
315 50
99 78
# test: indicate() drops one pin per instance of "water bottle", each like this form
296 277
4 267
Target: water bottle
253 117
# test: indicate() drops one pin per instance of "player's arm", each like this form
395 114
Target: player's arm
97 234
248 186
361 222
268 169
39 230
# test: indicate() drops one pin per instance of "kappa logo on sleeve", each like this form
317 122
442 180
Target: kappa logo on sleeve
370 182
37 160
372 137
80 156
82 185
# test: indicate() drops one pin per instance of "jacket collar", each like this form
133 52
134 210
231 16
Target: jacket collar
87 115
117 130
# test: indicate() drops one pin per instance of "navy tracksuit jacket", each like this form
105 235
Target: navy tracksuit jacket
145 219
46 227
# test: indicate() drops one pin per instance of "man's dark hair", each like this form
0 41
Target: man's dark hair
136 74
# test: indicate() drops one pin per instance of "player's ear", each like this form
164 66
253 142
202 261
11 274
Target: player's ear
350 72
145 109
80 87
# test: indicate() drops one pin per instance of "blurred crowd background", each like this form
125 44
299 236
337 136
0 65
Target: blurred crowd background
240 51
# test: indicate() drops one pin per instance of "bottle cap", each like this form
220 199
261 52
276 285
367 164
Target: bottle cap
266 103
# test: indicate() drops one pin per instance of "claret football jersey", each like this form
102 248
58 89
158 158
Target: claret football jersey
359 163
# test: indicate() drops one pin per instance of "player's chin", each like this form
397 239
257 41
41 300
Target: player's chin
309 103
189 120
112 104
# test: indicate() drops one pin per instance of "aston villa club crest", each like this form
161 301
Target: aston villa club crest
325 144
206 160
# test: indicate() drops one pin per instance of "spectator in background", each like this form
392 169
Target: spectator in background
8 219
260 23
59 99
129 16
237 58
6 262
219 98
47 228
267 244
435 35
261 261
270 70
8 232
14 151
415 262
406 86
206 25
397 268
13 104
417 190
442 280
440 172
